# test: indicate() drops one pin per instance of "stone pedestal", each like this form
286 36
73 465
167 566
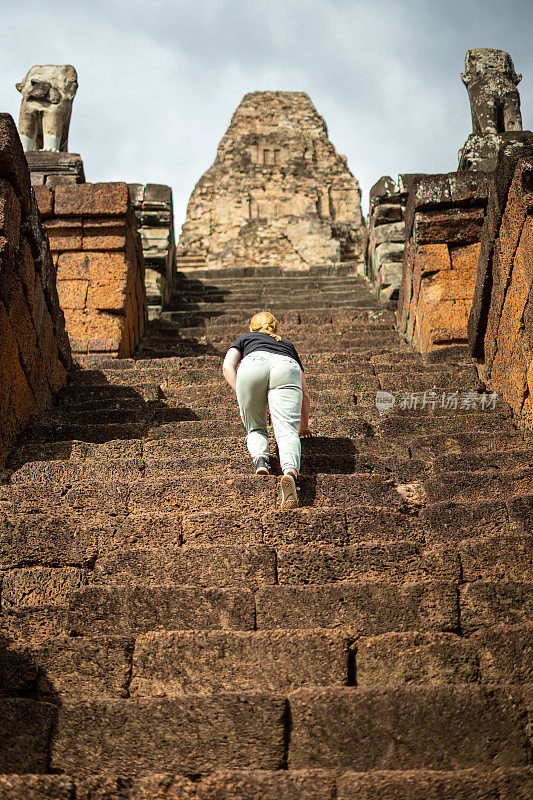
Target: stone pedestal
480 152
54 169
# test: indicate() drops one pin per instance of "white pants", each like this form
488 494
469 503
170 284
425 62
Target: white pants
274 380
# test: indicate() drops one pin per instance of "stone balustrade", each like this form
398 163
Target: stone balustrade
100 268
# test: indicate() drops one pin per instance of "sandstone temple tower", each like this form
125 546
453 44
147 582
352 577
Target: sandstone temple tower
278 193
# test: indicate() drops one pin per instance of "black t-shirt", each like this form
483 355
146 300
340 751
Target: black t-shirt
250 342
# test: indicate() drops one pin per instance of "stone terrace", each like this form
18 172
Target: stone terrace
160 615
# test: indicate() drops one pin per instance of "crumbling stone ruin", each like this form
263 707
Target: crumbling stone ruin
155 217
34 349
384 241
46 107
54 169
491 82
443 222
278 193
165 631
99 262
500 325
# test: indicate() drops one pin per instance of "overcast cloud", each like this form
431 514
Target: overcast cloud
159 80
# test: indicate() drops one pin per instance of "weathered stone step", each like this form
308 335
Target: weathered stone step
71 538
431 727
282 660
366 607
36 787
504 784
127 610
291 286
50 473
26 731
288 284
436 403
456 520
487 603
325 463
312 784
256 566
259 281
199 402
272 296
479 485
503 557
218 661
314 304
157 385
236 731
204 491
101 370
503 654
284 316
357 396
128 382
495 459
69 668
206 382
353 346
336 340
214 429
334 448
331 390
439 444
85 433
232 331
257 273
481 424
420 423
33 623
316 526
332 336
399 561
427 380
353 450
251 567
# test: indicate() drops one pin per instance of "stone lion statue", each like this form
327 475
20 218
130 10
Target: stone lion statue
47 95
491 82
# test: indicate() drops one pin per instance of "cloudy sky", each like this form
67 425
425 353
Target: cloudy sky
160 79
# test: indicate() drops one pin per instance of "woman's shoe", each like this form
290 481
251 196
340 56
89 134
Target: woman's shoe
262 467
289 498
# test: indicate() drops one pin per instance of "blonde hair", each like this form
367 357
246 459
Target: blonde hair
265 322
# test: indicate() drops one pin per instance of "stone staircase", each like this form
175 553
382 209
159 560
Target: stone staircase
168 633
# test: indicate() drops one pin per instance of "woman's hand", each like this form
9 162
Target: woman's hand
306 433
